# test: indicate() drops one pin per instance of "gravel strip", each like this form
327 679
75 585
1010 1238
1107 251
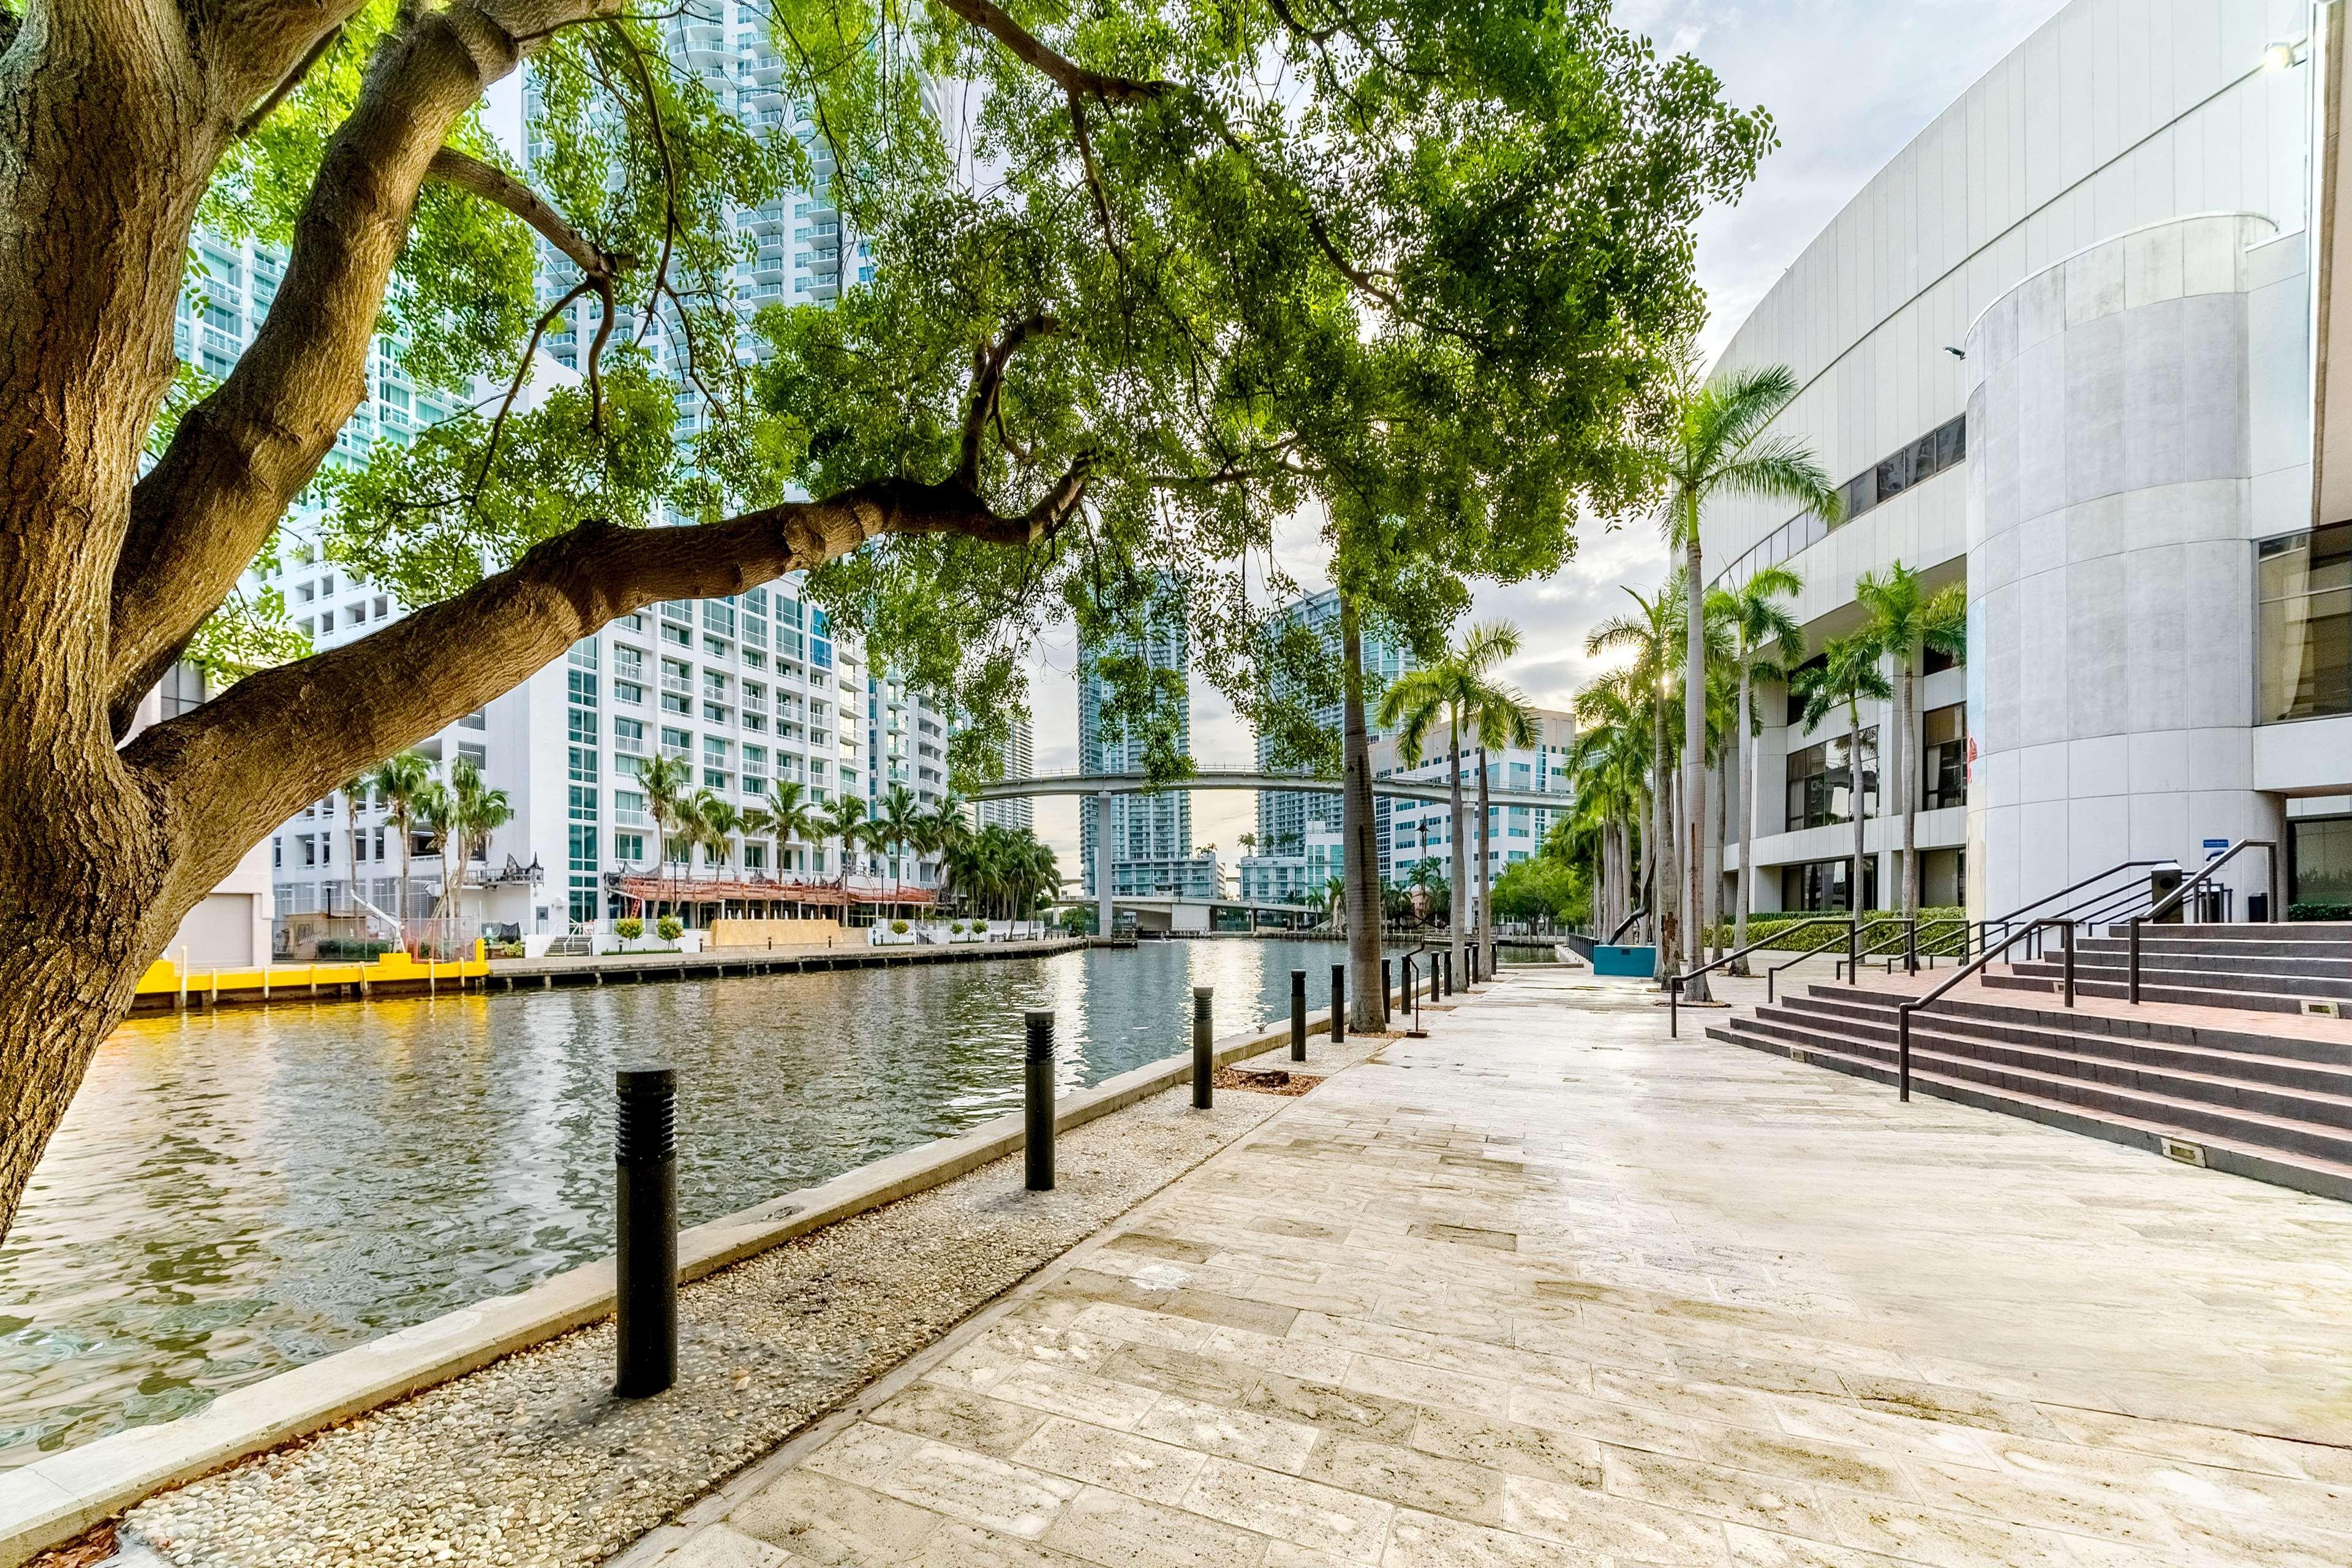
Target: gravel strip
531 1460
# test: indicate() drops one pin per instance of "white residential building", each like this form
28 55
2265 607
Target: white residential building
1020 762
1420 830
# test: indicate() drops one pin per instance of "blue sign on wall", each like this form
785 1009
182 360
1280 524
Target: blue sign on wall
2213 847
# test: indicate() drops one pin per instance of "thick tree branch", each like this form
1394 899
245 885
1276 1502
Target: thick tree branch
245 762
1066 73
988 362
495 185
260 112
240 455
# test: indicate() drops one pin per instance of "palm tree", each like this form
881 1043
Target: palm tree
402 782
1847 676
664 780
1503 720
716 823
1609 764
897 822
1905 619
843 815
1335 902
1462 687
1717 446
1649 636
1768 645
462 815
785 815
355 790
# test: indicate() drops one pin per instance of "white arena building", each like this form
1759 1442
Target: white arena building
2071 348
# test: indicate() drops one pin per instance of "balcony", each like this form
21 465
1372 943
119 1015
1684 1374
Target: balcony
683 684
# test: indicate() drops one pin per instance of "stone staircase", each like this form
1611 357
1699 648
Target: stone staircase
2258 968
2231 1096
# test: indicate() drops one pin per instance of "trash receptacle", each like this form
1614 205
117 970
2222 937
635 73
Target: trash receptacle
2258 907
2162 883
2213 905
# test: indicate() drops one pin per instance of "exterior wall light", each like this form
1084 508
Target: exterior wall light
2279 57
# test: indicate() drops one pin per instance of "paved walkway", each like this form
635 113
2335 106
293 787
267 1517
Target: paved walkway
1546 1289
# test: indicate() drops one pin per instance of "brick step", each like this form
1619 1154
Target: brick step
2295 935
2150 990
2181 955
2327 1177
2221 1037
2243 1061
2264 1115
2257 1129
2271 982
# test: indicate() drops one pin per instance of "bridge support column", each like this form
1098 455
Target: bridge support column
1102 863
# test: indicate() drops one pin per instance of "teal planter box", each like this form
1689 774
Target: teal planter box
1637 963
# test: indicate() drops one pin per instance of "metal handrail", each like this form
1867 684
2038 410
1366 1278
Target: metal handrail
1903 1010
1675 983
1985 927
2270 886
1923 947
1906 927
1626 924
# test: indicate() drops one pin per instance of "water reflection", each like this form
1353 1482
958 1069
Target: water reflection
235 1193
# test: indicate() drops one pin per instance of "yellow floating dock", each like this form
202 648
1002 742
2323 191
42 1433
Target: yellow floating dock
165 984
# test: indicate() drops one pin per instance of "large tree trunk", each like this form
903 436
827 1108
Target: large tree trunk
1694 790
1458 896
1360 853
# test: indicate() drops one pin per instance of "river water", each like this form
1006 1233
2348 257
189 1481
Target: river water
235 1193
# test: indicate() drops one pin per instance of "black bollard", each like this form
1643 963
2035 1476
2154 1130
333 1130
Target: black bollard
1298 1014
1449 973
1204 1049
1037 1104
1338 1002
645 1215
1388 989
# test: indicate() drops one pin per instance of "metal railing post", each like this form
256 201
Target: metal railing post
1674 1006
1204 1048
1852 942
645 1218
1037 1104
2067 936
1911 946
1338 1002
2132 969
1903 1050
1388 989
1298 1014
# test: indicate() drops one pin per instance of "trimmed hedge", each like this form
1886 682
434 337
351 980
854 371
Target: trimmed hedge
2319 912
1875 925
367 950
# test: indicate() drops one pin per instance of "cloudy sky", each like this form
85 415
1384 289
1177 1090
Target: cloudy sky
1848 83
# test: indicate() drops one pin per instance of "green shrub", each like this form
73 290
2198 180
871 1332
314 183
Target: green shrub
900 927
364 949
670 928
2315 911
1876 926
955 928
502 950
628 928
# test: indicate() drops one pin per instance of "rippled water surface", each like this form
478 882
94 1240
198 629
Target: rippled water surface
235 1194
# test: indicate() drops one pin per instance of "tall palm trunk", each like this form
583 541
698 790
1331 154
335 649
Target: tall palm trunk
1486 878
1744 894
1907 778
1665 893
1854 884
1693 802
1360 853
1460 897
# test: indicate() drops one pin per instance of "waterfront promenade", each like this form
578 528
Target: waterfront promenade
1545 1288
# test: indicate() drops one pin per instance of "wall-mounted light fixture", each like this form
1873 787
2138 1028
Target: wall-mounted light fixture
1956 354
2279 57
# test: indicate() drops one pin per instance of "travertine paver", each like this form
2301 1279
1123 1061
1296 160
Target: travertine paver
1547 1289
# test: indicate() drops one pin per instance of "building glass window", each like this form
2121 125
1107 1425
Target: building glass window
2304 637
583 764
2319 865
581 725
1820 886
582 687
1944 757
1819 782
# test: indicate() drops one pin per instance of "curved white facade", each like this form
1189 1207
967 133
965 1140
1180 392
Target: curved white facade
2136 395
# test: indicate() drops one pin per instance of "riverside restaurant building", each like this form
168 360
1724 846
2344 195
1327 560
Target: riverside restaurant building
2075 349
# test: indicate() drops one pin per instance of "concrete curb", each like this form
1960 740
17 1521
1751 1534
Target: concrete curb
49 1502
